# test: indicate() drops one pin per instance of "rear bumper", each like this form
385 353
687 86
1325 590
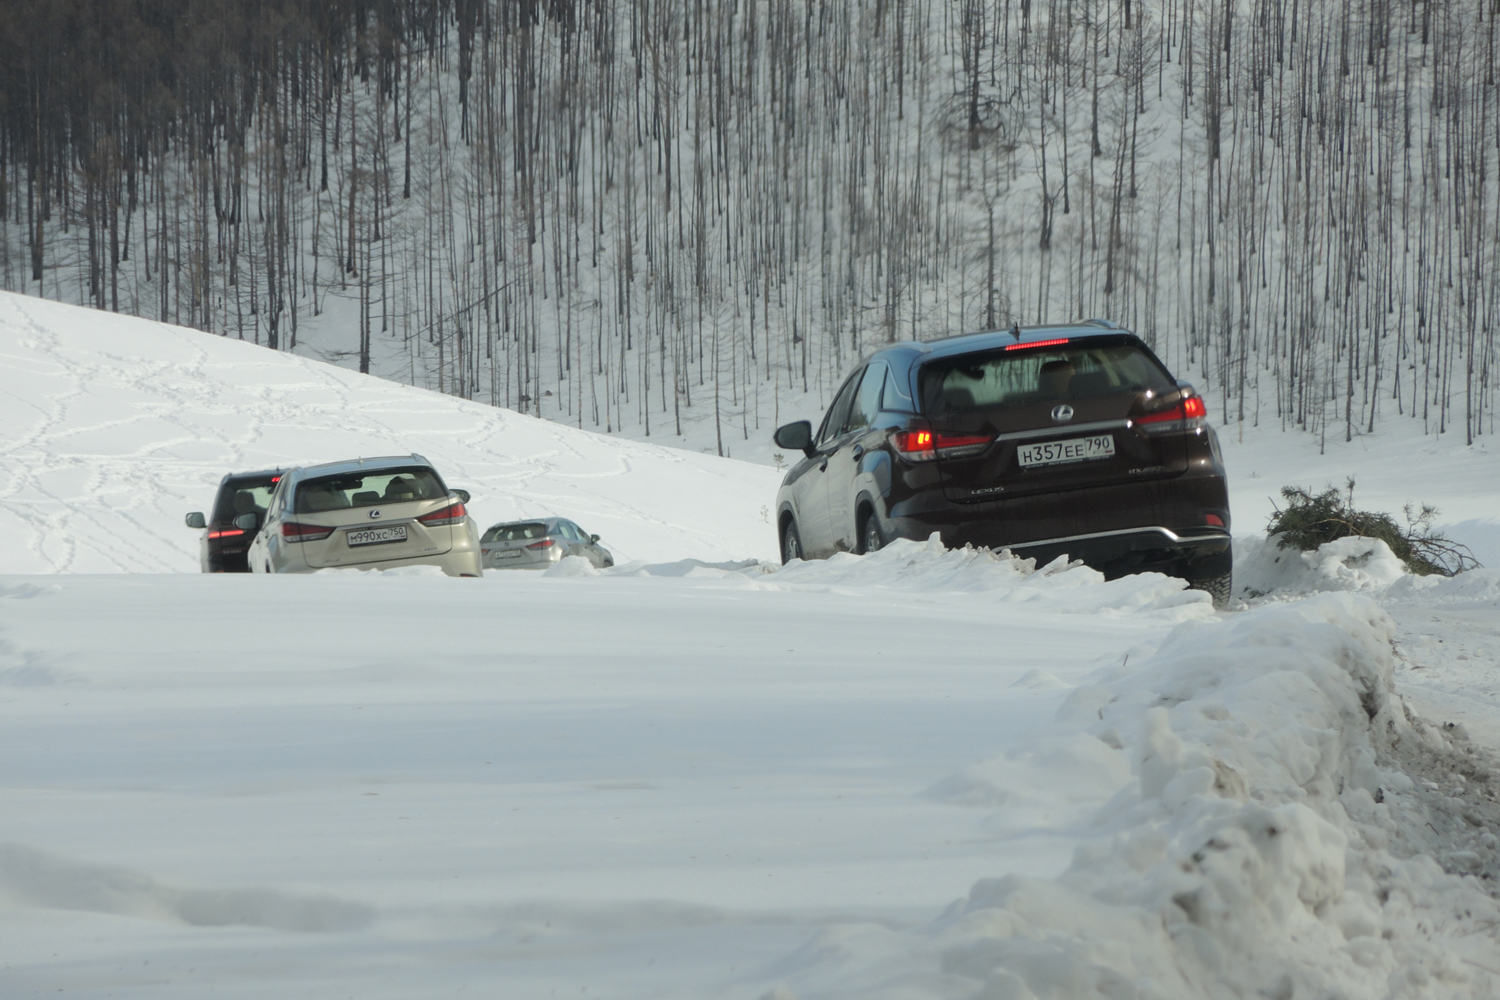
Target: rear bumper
1135 550
1116 530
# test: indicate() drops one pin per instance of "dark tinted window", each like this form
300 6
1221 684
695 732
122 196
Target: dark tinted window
1018 378
243 495
833 423
867 401
515 532
896 397
367 489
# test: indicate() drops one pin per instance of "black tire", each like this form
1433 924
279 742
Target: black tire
870 538
1217 587
791 542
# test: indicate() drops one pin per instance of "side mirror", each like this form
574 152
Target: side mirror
462 495
593 538
247 522
795 436
195 520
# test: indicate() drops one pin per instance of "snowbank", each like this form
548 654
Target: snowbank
1261 567
1259 848
115 427
928 567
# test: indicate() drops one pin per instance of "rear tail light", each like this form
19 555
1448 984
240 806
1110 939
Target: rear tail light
294 532
1213 519
452 514
914 446
962 445
226 533
925 445
545 543
1188 414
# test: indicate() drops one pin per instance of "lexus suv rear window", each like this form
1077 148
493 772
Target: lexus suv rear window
386 486
243 495
515 532
1019 378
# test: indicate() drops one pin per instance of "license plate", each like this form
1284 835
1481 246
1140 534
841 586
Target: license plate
376 536
1071 450
508 554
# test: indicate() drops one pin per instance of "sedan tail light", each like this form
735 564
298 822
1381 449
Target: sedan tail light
295 532
545 543
452 514
1189 414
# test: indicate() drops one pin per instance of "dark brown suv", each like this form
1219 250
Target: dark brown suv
1046 440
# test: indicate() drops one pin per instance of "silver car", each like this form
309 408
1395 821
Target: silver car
540 543
371 513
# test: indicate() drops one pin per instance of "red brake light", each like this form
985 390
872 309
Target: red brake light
545 543
1188 414
1213 519
946 442
914 446
1177 412
1037 343
226 533
295 532
452 514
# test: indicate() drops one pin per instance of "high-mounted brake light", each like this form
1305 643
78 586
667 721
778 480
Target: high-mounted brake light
452 514
545 543
295 532
226 533
1037 343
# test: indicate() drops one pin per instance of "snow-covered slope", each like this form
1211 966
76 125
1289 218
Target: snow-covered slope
112 428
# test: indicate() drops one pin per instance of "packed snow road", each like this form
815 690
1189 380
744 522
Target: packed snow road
688 781
630 785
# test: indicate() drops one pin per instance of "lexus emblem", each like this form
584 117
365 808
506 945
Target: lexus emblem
376 512
1061 413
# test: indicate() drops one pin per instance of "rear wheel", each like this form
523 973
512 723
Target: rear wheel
1218 587
791 542
870 539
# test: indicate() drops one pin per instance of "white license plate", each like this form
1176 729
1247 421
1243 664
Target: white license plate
508 554
1071 450
376 536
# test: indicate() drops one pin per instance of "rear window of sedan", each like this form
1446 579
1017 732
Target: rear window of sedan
515 532
1036 375
325 493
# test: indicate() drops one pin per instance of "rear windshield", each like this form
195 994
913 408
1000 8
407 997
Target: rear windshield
1020 378
515 532
244 495
368 489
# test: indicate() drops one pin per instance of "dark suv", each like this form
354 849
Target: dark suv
1044 440
223 546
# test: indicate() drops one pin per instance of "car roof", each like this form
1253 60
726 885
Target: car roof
985 340
363 465
551 521
247 475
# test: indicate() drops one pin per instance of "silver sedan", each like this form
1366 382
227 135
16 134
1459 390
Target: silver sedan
539 543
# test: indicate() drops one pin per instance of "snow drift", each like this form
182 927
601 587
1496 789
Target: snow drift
1260 845
115 427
